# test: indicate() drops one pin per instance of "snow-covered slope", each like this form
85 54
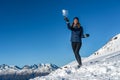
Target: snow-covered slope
13 72
104 64
112 46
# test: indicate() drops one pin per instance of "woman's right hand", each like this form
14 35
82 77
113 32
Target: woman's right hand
66 19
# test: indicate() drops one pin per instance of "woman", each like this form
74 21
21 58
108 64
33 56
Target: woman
76 37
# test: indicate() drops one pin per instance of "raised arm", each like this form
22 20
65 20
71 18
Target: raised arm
69 26
68 23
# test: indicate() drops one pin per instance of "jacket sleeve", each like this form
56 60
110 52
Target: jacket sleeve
71 28
81 32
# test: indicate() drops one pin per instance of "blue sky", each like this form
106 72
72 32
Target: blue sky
33 31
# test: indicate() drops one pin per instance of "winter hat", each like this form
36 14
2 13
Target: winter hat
76 18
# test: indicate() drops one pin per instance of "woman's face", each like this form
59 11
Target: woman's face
75 21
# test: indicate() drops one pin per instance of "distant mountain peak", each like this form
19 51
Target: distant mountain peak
35 66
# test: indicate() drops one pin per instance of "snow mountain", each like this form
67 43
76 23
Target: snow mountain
26 72
104 64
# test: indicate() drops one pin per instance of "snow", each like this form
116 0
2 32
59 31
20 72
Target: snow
104 64
40 68
65 12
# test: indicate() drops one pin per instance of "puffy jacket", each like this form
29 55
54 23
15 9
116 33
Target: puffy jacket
76 33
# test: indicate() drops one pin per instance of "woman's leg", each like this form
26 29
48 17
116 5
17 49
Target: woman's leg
77 55
76 47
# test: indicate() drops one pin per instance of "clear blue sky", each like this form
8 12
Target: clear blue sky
33 31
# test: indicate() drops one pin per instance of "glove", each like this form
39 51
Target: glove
85 35
66 19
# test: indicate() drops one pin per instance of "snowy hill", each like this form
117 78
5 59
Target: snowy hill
26 72
104 64
111 47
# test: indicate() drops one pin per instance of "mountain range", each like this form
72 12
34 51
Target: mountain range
26 72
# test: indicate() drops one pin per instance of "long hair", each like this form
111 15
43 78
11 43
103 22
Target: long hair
78 24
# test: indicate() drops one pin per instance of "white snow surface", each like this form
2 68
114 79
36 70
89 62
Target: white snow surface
104 64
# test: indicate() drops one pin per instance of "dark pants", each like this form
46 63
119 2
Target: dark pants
76 47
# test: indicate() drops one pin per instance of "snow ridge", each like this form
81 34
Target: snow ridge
110 47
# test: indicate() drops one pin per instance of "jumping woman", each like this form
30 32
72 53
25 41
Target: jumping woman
76 37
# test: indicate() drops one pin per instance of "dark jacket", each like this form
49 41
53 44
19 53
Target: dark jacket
76 33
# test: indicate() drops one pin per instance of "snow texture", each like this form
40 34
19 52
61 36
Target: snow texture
104 64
